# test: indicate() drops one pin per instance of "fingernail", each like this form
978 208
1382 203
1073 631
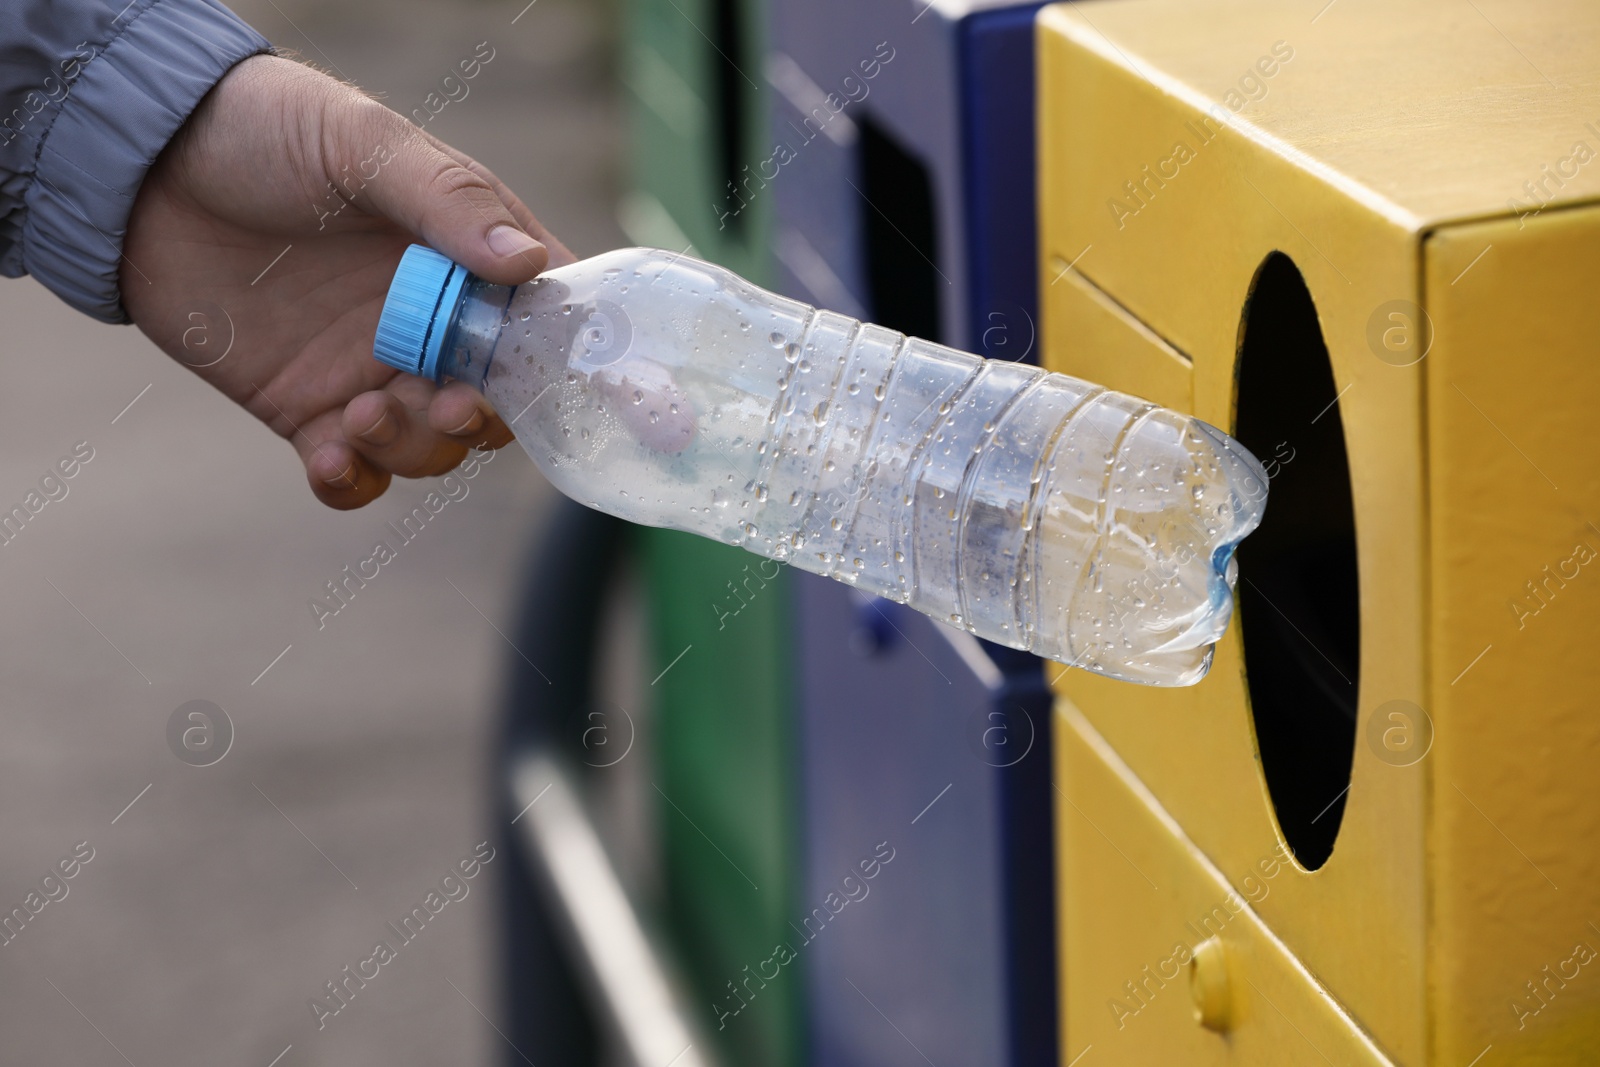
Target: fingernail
345 479
507 241
381 432
473 424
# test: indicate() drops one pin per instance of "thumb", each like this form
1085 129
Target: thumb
452 207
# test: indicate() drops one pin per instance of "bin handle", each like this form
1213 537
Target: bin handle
626 976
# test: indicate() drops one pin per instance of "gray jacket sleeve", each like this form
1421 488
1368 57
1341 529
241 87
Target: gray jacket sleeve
89 96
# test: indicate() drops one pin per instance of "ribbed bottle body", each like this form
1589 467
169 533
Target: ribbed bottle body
1032 509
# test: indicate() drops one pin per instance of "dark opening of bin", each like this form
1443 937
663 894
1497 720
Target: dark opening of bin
1299 608
727 38
900 232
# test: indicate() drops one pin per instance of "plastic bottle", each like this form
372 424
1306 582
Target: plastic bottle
1032 509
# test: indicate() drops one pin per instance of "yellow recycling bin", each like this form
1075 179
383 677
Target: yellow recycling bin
1365 239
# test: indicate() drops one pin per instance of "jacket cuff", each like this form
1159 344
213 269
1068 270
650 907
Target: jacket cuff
124 108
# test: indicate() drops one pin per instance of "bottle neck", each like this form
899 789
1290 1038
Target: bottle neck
472 331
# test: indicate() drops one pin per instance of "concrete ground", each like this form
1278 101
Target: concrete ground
180 566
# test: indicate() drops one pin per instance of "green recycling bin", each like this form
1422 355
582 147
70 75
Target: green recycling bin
698 118
720 618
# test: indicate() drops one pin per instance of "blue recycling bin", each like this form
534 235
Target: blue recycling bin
902 173
902 190
926 765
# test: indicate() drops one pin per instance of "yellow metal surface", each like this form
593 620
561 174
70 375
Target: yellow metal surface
1188 974
1514 391
1109 345
1438 153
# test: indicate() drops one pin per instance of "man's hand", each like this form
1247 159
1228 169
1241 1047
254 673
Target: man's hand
280 156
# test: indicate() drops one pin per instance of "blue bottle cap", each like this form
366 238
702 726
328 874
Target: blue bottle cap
416 314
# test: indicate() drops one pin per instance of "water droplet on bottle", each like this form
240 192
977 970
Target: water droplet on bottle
835 524
655 417
899 557
761 495
878 392
777 339
859 562
944 407
1199 492
525 316
791 352
853 388
820 413
638 397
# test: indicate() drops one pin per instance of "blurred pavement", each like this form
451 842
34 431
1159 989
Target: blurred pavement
180 567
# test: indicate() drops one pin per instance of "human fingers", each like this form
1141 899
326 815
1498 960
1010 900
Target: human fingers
392 433
430 193
339 476
560 254
461 413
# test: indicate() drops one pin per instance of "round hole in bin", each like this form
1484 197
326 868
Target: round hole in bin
1299 605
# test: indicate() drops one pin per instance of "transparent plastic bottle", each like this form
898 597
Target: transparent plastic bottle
1031 509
